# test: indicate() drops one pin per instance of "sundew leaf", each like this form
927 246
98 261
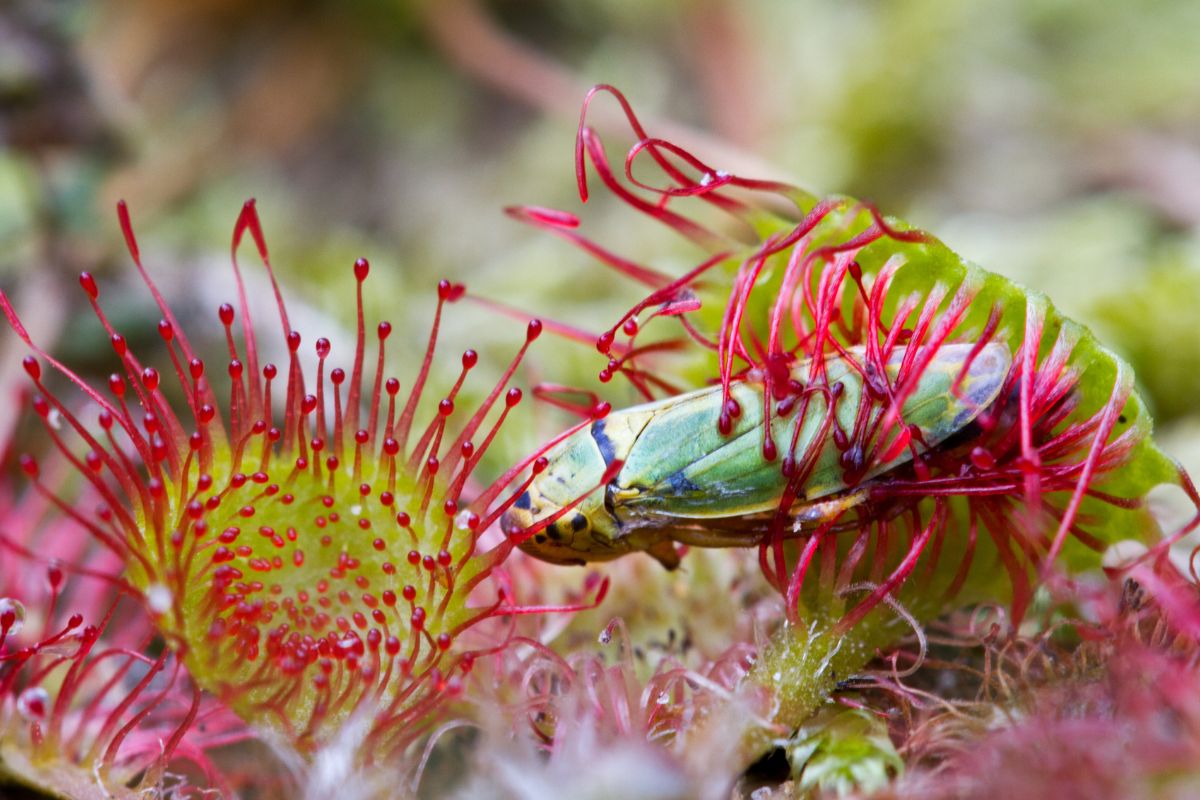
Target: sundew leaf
803 661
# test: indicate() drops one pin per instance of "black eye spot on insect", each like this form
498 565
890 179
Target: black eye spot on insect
540 538
578 523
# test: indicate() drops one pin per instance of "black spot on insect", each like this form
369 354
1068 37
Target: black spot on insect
578 522
608 450
1121 419
523 502
554 532
540 538
680 485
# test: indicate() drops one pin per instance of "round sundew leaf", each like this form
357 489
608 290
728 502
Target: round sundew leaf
308 547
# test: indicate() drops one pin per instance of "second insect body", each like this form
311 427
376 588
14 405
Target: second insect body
680 480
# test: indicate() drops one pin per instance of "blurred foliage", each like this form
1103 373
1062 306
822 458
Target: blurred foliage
1153 324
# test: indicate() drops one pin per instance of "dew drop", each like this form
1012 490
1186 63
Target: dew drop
605 341
982 459
159 599
33 703
89 284
12 616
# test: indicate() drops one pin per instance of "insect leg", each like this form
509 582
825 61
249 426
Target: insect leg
811 515
663 551
705 536
748 530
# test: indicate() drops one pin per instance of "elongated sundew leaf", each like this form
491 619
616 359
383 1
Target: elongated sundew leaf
997 542
1051 475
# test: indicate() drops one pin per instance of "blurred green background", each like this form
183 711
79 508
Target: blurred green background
1055 141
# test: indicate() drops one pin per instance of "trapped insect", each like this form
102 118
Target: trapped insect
674 478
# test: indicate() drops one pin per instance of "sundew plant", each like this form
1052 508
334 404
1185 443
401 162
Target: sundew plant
305 546
1031 492
212 555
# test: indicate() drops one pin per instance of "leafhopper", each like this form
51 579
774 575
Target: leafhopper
661 474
